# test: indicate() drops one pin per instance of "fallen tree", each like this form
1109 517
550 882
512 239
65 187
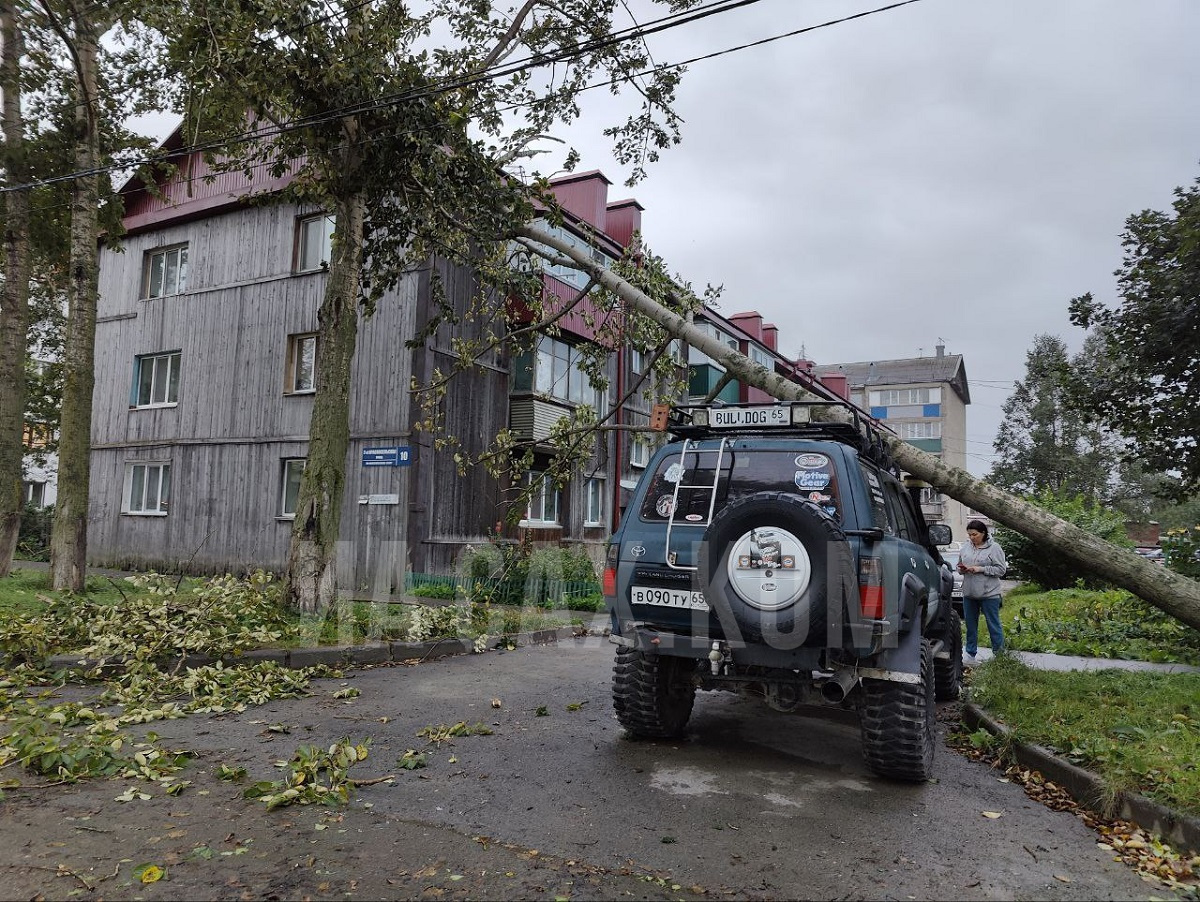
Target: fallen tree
1158 585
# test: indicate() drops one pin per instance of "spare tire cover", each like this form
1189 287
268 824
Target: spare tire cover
767 562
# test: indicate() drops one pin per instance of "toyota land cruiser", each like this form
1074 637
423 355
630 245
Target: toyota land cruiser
769 552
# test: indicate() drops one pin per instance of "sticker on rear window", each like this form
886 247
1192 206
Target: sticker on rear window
811 461
664 506
812 479
674 473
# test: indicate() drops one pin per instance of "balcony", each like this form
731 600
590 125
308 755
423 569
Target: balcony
531 419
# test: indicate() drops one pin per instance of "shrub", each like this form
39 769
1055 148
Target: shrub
1181 547
1099 624
33 541
1031 560
444 590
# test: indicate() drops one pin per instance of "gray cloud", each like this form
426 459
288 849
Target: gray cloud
951 170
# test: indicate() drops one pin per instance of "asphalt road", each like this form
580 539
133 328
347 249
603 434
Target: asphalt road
751 804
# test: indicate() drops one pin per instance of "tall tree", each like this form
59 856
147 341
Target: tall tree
1152 337
404 139
14 293
86 93
1044 443
68 541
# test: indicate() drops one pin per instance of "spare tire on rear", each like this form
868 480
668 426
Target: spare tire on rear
771 564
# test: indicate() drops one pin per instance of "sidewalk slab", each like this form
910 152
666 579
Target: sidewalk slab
1045 661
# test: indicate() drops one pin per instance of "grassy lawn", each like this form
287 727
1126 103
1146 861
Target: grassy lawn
1093 624
23 590
1139 731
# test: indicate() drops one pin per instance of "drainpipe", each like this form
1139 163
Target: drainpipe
615 516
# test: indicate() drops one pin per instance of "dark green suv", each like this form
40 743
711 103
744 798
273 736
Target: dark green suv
771 552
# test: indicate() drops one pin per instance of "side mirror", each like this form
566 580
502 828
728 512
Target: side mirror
939 534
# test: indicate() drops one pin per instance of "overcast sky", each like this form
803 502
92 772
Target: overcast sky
952 170
948 171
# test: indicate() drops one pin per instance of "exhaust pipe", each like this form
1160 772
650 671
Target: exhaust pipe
835 689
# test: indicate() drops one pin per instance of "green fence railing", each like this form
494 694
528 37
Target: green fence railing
529 590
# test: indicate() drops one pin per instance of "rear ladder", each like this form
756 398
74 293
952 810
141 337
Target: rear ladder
690 447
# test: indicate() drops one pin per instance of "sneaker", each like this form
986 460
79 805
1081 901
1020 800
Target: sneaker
970 659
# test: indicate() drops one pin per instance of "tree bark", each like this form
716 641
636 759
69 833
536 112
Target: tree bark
1161 587
68 539
310 582
14 294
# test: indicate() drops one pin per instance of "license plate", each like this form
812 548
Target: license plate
668 598
735 417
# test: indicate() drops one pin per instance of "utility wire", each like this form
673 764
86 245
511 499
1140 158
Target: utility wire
531 63
442 86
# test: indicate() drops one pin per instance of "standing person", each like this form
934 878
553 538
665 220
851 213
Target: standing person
982 564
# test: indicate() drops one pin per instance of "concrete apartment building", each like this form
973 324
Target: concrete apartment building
924 399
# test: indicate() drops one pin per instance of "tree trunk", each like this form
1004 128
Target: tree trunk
68 540
14 294
310 582
1161 587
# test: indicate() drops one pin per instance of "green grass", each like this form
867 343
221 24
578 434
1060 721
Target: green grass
1139 731
20 590
1093 624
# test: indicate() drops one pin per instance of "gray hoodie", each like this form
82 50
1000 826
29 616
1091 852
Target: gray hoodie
990 557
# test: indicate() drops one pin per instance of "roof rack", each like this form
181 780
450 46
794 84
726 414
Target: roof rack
779 419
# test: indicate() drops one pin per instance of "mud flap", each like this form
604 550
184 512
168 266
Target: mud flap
905 657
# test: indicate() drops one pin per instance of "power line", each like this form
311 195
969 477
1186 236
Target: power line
530 63
442 86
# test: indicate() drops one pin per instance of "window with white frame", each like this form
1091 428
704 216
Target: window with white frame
639 442
543 499
165 272
569 274
557 369
314 242
898 397
290 470
301 375
637 361
594 504
762 357
927 429
147 488
156 380
35 493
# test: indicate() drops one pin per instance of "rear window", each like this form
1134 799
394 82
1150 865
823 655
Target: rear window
812 475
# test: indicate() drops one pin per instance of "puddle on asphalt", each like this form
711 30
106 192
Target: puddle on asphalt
686 781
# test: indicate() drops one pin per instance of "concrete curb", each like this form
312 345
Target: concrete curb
331 655
1181 830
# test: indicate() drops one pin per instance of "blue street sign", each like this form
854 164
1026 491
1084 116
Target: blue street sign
387 457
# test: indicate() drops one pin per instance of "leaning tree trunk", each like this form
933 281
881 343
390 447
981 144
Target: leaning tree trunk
14 294
68 539
310 582
1161 587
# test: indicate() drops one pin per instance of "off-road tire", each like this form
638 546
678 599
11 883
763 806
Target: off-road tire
898 724
947 674
652 694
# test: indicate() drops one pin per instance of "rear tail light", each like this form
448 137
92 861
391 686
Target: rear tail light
609 585
870 588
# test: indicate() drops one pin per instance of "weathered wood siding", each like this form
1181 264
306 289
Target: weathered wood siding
233 423
451 511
